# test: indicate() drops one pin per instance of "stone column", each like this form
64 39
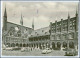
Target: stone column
10 45
50 45
18 45
10 41
61 46
38 45
68 44
41 46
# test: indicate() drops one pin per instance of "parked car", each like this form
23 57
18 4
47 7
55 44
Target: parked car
9 48
3 47
25 49
47 50
16 48
71 52
65 49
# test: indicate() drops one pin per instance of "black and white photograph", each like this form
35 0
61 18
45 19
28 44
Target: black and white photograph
40 28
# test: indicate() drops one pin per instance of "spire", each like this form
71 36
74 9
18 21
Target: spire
76 12
21 21
5 19
33 24
5 13
68 15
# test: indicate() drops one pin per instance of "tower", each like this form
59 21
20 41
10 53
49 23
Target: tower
68 16
5 20
33 24
21 21
76 15
68 22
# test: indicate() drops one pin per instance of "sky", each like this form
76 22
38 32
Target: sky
42 12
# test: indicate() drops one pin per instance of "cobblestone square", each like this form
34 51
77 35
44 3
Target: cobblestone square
32 53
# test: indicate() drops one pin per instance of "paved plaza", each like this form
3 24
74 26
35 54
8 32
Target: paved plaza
32 53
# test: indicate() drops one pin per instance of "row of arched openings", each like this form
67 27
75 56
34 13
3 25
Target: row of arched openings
54 46
58 45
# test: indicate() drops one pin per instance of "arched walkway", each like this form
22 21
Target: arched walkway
17 44
34 45
58 45
47 45
20 45
8 44
40 45
71 45
12 45
64 44
53 45
27 45
24 45
37 45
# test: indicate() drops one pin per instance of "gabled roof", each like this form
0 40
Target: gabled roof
40 32
27 30
19 25
65 20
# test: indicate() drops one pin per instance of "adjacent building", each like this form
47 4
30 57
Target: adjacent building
64 33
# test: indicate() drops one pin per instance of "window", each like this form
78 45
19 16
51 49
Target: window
73 23
52 28
53 37
64 37
60 24
58 37
74 27
42 30
70 27
71 36
70 23
35 32
45 32
77 35
26 29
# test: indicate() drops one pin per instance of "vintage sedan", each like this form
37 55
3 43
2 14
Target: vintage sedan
9 48
71 52
46 51
25 49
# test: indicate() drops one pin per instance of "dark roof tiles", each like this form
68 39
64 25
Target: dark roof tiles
40 32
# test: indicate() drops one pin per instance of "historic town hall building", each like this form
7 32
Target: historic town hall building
14 34
57 35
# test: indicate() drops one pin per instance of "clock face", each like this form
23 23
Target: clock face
16 28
